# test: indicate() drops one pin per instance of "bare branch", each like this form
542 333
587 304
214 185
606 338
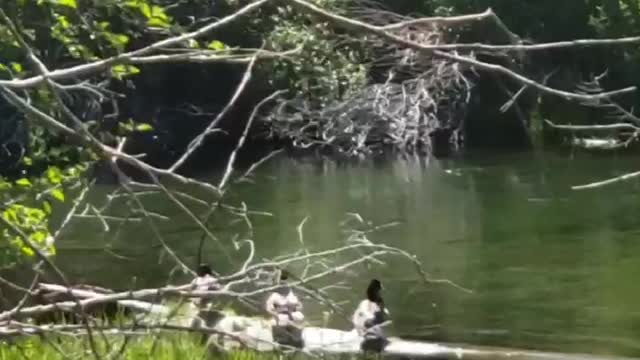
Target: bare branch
232 157
197 142
610 181
620 126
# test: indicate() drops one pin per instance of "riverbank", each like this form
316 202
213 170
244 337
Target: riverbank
168 346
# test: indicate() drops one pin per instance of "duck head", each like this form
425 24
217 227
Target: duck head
203 270
373 290
284 288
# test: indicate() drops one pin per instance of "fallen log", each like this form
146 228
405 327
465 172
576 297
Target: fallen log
44 296
233 331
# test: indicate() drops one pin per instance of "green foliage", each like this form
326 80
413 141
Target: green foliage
31 221
154 15
169 347
216 45
165 347
324 70
85 31
26 208
128 127
616 18
120 71
64 33
49 172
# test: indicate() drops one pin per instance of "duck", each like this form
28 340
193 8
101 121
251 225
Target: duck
284 305
286 309
370 316
204 281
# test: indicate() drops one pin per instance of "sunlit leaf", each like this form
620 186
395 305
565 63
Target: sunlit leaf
69 3
27 251
145 9
54 175
38 237
23 182
63 22
144 127
157 22
119 41
57 194
158 12
17 67
10 215
46 206
216 45
121 70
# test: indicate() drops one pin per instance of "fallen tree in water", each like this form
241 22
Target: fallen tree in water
143 312
428 87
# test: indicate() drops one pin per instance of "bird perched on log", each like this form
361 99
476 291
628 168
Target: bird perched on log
286 309
370 317
204 281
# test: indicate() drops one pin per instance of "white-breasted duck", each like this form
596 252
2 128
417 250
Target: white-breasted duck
371 313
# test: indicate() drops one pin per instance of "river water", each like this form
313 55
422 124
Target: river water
550 268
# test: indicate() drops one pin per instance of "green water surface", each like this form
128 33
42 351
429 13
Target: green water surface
550 268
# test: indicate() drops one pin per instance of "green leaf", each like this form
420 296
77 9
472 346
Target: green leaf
63 22
23 182
158 12
144 127
27 251
118 40
70 3
58 194
158 22
38 237
54 175
27 161
46 206
17 67
216 45
120 71
10 215
145 9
